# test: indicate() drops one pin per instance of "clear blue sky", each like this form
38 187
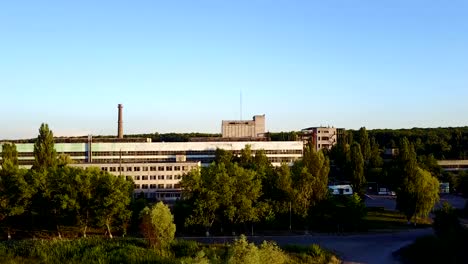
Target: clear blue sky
179 66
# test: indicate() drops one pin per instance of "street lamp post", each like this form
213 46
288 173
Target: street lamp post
290 228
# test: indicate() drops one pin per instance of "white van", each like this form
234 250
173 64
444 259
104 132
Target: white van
344 189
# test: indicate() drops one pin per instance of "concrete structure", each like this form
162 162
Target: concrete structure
155 152
159 181
120 122
157 168
321 137
453 165
244 128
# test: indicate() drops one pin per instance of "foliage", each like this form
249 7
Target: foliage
433 249
310 254
158 227
15 194
244 252
112 199
103 251
9 156
364 143
418 195
45 156
418 190
446 222
339 213
223 192
310 180
356 169
443 143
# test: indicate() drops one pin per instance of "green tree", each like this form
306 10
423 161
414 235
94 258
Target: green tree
15 194
246 158
418 190
356 169
278 189
113 196
45 156
200 189
430 164
375 160
363 140
85 197
446 222
310 180
9 156
246 188
64 160
158 227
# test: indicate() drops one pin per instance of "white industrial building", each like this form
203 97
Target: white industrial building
158 167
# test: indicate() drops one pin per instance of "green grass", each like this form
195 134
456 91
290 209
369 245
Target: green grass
391 220
132 250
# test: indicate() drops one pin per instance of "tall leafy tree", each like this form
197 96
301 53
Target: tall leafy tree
45 156
356 169
158 226
418 190
202 188
310 180
418 194
15 194
113 196
364 142
9 156
247 189
375 160
85 197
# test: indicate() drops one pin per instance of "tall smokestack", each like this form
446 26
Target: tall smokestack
120 122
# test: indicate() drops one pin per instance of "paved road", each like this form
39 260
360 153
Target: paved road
389 202
366 248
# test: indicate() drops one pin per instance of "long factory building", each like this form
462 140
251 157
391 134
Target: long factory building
157 167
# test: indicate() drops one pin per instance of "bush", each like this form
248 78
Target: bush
158 227
446 221
309 254
244 252
185 248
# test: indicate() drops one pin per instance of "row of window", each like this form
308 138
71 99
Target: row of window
187 153
157 186
155 177
158 195
165 153
73 154
147 168
139 160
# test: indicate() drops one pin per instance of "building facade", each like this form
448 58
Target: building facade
158 167
244 128
321 137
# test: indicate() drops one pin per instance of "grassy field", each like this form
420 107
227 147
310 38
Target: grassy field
391 220
132 250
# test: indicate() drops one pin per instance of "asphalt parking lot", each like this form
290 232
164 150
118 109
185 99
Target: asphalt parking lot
389 202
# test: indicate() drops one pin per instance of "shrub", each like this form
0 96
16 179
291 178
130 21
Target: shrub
446 221
158 227
244 252
185 248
